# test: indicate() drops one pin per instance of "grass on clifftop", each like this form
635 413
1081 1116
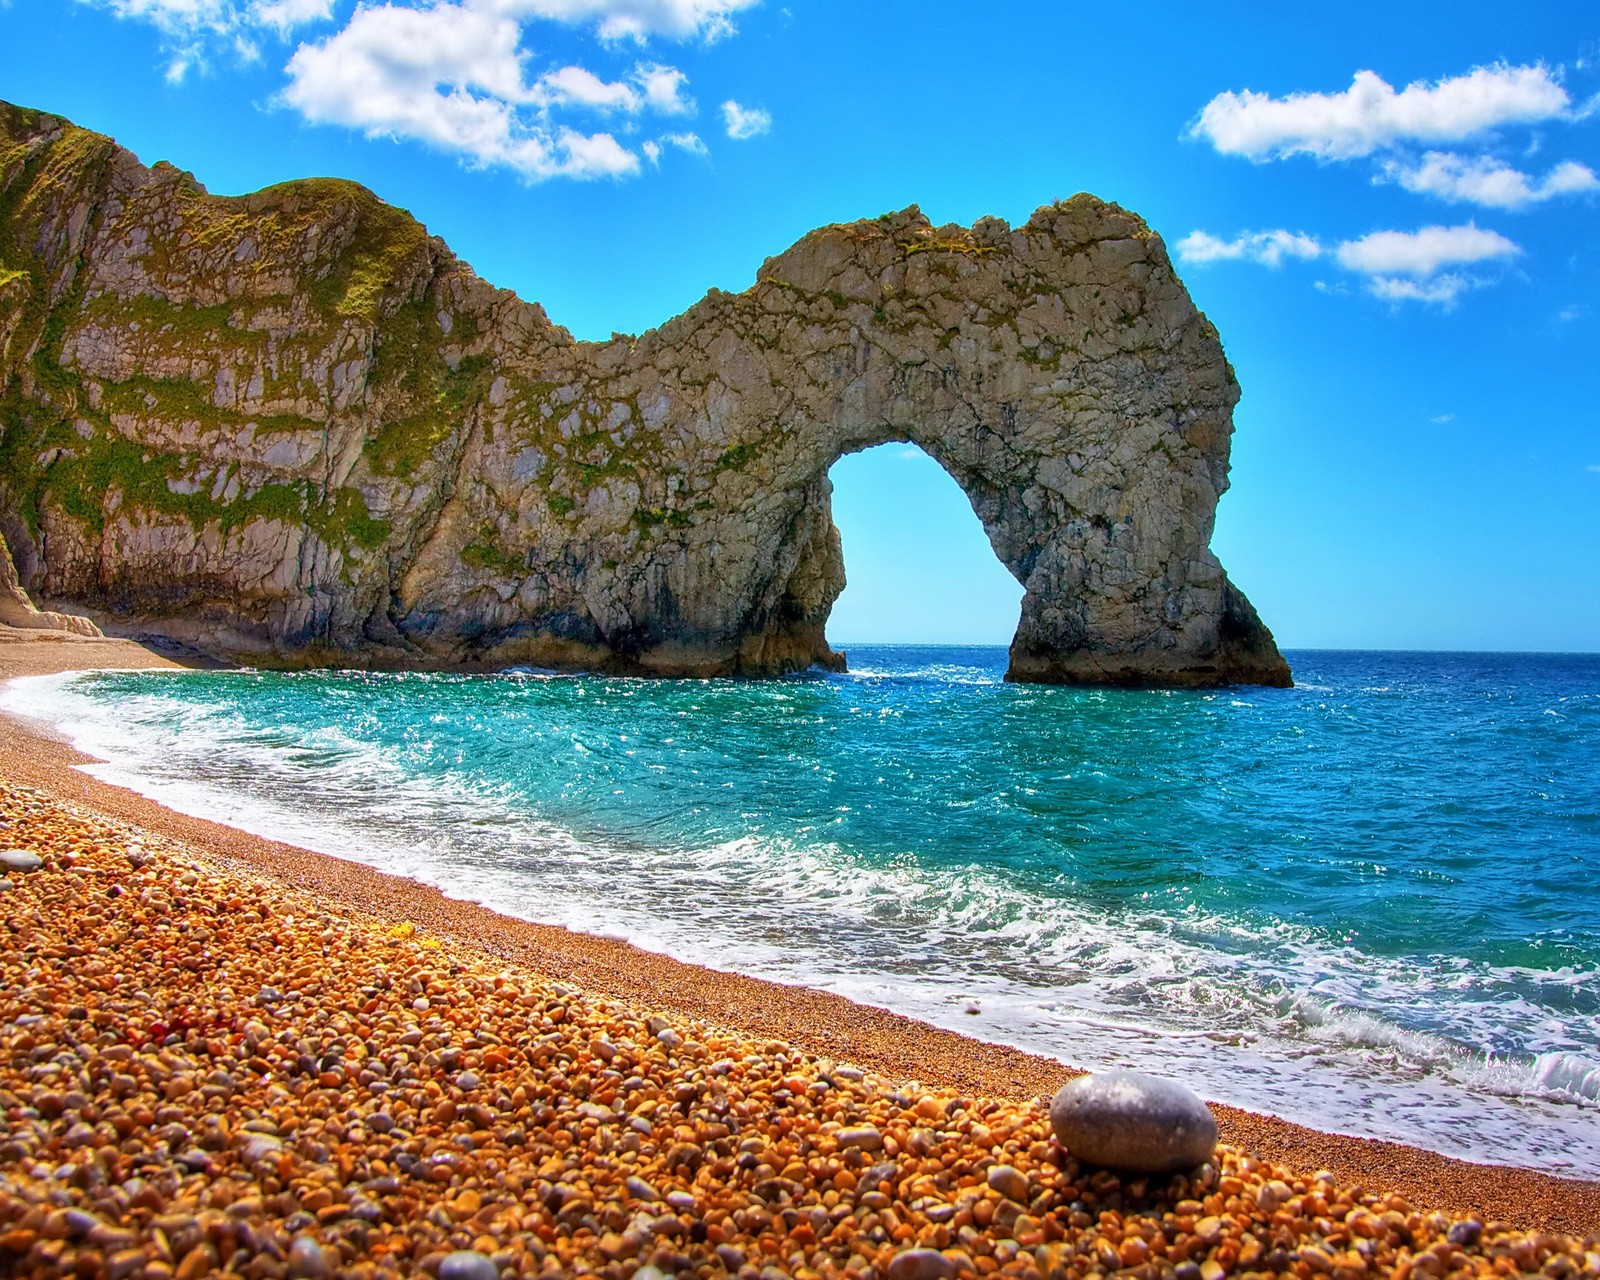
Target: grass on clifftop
268 285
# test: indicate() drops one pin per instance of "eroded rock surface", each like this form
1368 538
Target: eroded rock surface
292 428
16 610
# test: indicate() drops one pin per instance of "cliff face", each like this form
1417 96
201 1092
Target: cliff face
291 428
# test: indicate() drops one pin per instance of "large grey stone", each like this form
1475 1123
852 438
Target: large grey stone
19 860
1133 1122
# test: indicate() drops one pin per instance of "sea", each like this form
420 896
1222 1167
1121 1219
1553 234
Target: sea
1369 903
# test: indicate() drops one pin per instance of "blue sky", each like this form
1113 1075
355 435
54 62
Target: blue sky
1390 211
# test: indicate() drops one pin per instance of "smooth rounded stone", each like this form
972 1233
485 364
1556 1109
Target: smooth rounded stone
23 860
468 1264
307 1261
1009 1182
7 884
921 1264
260 1146
866 1137
1133 1122
125 1263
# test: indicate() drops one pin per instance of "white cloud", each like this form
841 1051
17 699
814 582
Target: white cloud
636 19
744 122
285 15
191 29
1485 180
450 76
654 87
689 142
1409 266
1399 266
1595 469
1442 290
1423 252
1268 247
1370 115
1442 419
577 86
662 89
189 20
457 75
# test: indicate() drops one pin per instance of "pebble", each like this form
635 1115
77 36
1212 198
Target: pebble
865 1138
307 1261
1465 1234
22 860
186 1087
1133 1122
1009 1182
468 1264
921 1264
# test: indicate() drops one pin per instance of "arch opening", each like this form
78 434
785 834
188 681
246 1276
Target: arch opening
919 567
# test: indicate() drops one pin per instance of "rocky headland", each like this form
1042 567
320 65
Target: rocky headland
291 428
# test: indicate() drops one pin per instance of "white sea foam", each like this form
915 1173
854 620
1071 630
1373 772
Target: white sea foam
1277 1019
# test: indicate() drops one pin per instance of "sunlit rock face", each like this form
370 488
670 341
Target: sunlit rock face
293 428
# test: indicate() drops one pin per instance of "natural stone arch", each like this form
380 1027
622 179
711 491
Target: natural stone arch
291 427
1059 373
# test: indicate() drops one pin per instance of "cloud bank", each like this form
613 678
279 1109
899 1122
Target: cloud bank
1487 181
458 75
1270 248
1370 115
1398 266
1399 132
1373 119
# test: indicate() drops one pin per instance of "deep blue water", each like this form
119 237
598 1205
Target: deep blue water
1370 902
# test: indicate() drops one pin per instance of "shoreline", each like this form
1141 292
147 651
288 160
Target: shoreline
891 1045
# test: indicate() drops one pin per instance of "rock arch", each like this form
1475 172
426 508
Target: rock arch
293 428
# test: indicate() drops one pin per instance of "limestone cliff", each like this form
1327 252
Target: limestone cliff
16 610
291 428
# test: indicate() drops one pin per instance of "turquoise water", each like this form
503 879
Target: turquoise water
1370 903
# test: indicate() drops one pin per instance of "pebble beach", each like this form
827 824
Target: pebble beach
234 1058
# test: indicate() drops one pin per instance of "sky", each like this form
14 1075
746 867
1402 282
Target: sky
1389 211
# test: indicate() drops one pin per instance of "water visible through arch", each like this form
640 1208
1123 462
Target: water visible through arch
918 564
